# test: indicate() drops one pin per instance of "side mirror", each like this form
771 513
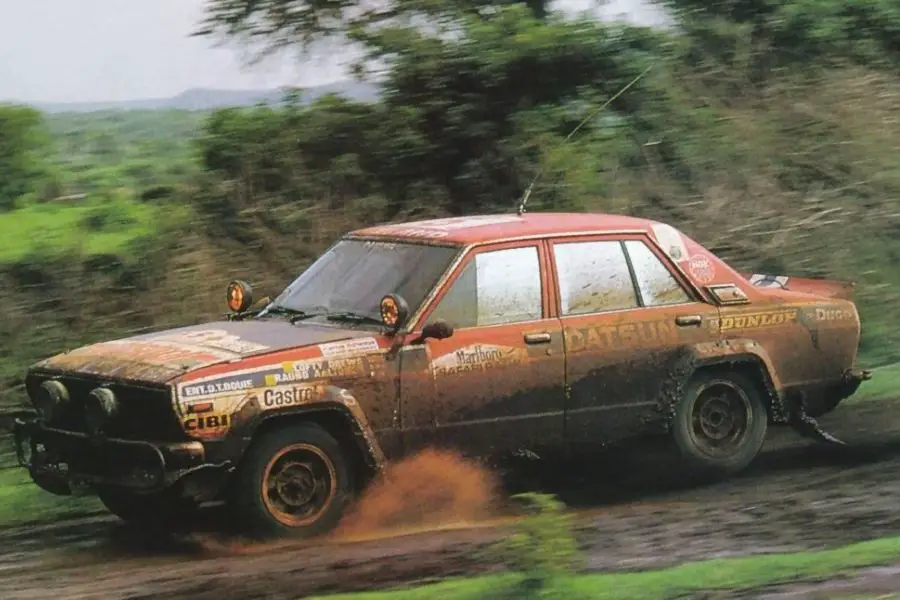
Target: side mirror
239 296
438 330
394 312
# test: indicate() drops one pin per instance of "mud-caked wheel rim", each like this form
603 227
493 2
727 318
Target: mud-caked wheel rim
299 483
721 418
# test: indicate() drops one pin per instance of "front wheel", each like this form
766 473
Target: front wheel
720 422
293 481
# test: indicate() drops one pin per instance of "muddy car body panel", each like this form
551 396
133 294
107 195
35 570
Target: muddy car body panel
568 330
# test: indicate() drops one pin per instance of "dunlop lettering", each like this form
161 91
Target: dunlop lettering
759 320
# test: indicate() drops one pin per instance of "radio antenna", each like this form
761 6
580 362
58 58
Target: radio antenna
524 200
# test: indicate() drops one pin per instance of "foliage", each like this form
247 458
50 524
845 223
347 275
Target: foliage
774 34
541 548
22 139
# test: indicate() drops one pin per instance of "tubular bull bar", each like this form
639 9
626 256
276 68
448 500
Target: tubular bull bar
59 459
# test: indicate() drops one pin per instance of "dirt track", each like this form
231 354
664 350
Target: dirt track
798 495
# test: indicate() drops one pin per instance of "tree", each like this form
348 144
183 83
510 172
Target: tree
23 140
781 33
283 24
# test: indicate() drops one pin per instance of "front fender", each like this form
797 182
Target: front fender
253 413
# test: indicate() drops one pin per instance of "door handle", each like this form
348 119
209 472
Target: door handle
537 338
688 320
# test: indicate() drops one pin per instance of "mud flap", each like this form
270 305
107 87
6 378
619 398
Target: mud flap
808 427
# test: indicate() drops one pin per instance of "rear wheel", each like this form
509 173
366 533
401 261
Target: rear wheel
720 423
294 481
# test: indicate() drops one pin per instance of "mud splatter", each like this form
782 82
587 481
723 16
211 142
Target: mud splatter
432 489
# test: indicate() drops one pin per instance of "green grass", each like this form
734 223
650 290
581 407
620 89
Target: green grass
885 383
719 574
21 501
95 227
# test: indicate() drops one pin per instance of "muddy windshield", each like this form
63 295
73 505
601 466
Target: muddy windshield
352 277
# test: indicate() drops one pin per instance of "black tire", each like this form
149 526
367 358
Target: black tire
163 509
264 493
720 422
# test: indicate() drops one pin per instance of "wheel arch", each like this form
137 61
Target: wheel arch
743 355
338 413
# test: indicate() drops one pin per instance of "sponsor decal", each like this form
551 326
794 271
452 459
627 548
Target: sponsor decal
701 268
206 424
152 353
316 369
833 314
759 320
216 388
218 339
769 281
286 396
478 357
345 347
623 335
670 240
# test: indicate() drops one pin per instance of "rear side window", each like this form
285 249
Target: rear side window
657 285
496 287
593 277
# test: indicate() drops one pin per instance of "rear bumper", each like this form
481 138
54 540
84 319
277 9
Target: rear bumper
59 461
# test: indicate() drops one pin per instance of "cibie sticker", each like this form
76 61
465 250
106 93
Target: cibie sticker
701 268
671 241
346 347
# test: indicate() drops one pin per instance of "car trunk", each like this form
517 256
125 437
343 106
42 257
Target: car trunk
826 288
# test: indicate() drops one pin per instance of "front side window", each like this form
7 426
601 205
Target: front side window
593 277
354 275
496 287
657 285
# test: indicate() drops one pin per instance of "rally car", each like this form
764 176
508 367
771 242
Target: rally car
483 334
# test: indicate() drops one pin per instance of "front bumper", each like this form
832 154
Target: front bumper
60 460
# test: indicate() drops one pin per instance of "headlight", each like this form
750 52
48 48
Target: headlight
50 397
99 408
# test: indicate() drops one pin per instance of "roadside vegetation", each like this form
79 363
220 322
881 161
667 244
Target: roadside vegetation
767 131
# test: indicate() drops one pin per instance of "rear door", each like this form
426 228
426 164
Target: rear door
627 314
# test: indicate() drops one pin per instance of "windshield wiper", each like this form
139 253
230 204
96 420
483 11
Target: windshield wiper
347 315
294 313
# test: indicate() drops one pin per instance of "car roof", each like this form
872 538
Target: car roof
496 227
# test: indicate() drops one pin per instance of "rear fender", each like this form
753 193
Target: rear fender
742 353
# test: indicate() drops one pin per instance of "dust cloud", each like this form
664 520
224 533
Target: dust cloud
429 490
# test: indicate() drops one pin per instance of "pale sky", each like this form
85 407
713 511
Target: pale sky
113 50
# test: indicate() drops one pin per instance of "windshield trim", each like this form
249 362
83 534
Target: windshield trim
402 240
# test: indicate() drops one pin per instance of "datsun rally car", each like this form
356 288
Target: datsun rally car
484 334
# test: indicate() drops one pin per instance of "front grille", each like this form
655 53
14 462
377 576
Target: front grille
145 412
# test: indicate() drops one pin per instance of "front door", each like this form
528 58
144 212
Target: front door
499 379
627 320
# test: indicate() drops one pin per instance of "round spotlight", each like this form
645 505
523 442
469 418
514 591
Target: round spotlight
50 397
100 407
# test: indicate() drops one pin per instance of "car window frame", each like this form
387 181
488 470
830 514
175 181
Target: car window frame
694 296
468 257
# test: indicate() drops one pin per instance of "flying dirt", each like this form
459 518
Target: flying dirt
632 513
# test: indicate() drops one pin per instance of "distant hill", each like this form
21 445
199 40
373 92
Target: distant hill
210 99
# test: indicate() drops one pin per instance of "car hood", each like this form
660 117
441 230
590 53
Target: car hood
162 356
